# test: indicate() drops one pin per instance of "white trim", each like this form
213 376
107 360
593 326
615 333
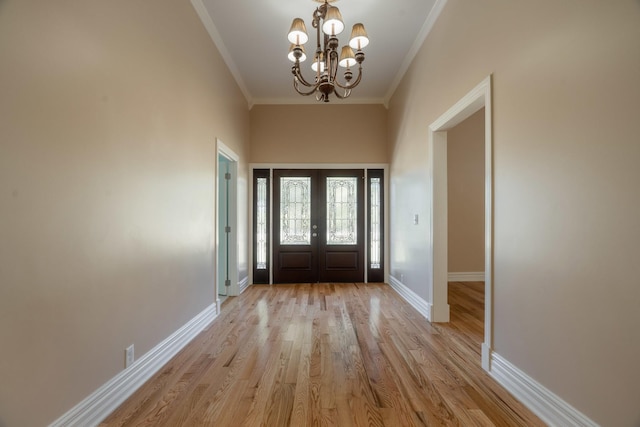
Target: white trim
384 166
464 108
467 276
310 100
548 406
102 402
203 13
243 284
486 356
438 226
478 97
272 166
433 16
411 297
226 151
387 224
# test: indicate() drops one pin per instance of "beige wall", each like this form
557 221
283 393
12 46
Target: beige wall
465 196
108 117
290 134
566 102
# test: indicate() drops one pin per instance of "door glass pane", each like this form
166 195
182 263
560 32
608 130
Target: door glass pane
261 224
342 217
374 238
295 210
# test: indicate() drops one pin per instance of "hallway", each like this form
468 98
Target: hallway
347 354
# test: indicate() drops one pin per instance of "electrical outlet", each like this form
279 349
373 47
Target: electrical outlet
128 356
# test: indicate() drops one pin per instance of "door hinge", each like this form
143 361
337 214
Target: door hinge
227 229
227 282
227 176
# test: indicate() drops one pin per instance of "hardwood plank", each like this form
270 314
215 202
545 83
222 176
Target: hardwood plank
329 355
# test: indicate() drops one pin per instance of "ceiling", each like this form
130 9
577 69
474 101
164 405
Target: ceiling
252 38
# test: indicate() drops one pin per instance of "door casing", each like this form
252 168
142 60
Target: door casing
477 98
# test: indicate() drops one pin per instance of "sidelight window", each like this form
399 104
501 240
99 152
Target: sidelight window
261 223
375 250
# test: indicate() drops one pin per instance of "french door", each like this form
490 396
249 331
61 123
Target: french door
310 225
318 228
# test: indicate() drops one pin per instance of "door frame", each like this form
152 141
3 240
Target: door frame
365 166
233 158
478 97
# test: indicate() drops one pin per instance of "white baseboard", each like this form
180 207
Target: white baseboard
545 404
466 276
411 297
243 285
486 357
102 402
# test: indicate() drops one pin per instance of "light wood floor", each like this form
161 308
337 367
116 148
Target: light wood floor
334 355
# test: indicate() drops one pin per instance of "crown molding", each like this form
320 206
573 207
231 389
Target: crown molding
203 13
310 100
434 14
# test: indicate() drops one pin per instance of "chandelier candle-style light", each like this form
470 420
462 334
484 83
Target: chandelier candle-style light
325 60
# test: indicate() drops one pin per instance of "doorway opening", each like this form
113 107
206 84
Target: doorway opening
475 100
226 265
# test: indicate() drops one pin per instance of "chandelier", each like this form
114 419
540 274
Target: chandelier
325 60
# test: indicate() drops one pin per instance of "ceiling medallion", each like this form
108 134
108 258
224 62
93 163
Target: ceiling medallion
327 20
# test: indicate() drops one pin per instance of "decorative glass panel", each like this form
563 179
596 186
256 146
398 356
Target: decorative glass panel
295 210
342 215
374 239
261 224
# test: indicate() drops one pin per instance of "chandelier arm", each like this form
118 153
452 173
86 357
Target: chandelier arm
352 85
298 75
346 94
311 92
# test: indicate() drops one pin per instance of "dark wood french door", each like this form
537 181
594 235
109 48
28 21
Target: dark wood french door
318 228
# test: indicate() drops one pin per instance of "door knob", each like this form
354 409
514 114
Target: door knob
315 235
